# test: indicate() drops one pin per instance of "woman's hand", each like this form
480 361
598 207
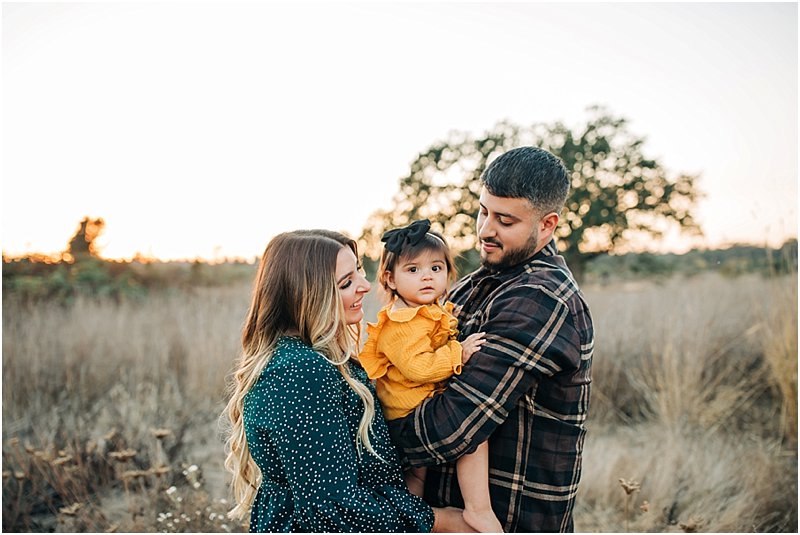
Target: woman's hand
449 520
471 345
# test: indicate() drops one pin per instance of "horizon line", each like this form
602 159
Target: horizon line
59 256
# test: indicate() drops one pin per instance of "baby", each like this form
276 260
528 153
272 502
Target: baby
412 350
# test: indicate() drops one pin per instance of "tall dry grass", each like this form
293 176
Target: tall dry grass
779 335
99 377
694 379
687 402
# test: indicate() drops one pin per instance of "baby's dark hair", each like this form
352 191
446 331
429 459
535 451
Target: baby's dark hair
431 242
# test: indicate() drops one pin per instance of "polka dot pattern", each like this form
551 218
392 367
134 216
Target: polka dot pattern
301 419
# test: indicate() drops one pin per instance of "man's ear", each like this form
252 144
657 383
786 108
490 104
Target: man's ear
547 225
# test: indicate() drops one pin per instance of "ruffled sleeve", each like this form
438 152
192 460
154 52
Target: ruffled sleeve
374 364
406 343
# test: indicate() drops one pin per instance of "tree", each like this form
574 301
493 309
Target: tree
617 195
82 244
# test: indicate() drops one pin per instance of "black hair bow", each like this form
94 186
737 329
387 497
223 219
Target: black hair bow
397 238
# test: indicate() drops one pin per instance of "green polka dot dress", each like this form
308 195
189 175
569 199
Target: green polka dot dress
301 419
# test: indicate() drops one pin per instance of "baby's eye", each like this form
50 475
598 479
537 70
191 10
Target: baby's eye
412 269
436 269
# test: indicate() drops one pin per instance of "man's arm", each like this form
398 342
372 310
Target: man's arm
529 335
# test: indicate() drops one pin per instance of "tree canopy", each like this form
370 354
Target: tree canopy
618 195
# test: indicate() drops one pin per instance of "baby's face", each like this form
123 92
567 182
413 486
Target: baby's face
420 280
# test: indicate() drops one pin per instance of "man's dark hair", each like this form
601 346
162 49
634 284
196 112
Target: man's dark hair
532 173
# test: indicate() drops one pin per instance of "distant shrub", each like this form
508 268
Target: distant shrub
732 261
32 279
63 281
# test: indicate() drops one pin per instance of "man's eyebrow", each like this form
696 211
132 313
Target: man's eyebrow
501 214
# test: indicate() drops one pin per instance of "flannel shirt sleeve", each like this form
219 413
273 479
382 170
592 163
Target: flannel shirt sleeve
529 335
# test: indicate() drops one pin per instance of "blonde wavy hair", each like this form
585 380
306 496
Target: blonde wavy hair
295 291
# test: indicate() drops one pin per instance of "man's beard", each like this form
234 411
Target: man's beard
512 257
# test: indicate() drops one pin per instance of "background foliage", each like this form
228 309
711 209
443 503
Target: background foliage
80 271
618 194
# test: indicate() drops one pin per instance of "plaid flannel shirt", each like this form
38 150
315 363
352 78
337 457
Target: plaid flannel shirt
526 391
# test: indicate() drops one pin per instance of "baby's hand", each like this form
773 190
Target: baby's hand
470 345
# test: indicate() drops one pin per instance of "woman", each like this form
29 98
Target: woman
309 450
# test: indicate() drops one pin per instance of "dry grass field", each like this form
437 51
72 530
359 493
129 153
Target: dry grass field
110 410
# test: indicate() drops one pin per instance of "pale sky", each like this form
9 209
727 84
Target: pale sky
205 129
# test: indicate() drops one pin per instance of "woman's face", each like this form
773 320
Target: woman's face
352 285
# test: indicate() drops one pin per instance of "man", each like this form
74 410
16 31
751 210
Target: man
526 390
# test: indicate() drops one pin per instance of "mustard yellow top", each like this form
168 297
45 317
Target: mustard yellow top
410 352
